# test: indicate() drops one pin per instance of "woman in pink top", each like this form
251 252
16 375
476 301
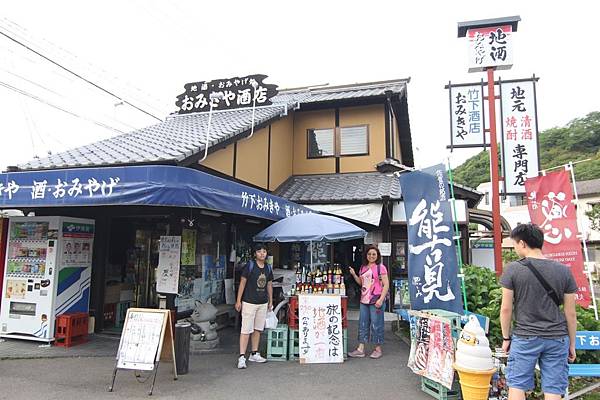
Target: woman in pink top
374 283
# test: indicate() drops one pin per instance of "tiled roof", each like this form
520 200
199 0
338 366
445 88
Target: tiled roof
590 187
171 140
369 186
182 136
355 187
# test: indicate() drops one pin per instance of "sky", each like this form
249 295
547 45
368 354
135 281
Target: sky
144 51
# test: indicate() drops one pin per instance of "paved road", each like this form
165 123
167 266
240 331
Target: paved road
214 376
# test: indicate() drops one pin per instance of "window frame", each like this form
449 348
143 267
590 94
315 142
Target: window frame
339 137
308 156
337 142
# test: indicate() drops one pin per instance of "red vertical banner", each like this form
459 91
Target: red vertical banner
549 200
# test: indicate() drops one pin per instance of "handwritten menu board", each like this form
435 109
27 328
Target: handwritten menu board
141 340
320 330
169 256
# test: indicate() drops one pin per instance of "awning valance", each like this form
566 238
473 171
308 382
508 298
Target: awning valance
369 213
154 185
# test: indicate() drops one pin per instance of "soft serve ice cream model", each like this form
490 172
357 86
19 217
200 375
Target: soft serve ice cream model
473 361
473 348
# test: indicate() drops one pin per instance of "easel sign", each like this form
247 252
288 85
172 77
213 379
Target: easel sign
321 333
147 339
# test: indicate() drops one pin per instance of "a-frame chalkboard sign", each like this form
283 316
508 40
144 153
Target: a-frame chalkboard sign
146 340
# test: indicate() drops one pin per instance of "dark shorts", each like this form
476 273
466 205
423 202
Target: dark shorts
551 354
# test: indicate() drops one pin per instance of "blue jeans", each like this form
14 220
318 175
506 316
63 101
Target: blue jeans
550 353
371 322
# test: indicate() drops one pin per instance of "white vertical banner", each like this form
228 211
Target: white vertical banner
466 116
321 338
169 257
520 152
490 47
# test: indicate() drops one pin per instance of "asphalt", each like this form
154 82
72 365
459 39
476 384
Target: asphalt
215 376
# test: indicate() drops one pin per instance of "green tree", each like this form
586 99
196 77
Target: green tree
578 140
594 216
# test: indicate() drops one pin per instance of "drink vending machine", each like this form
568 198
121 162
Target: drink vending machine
3 235
47 273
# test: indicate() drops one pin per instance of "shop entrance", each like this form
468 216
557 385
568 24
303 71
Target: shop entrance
130 272
145 262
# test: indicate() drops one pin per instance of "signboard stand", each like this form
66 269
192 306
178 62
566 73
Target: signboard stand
147 339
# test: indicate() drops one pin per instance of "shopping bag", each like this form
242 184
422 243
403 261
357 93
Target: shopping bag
271 321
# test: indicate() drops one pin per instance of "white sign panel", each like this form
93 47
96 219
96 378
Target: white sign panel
466 116
140 340
169 256
385 249
490 47
321 334
519 135
399 213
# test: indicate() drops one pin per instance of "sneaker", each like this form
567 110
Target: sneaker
376 354
257 358
242 362
356 354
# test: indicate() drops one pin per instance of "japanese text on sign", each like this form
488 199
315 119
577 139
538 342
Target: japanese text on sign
433 280
264 203
236 92
549 201
490 47
467 115
39 189
519 135
321 334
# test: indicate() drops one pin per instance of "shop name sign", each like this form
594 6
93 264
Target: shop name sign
520 158
238 92
490 47
466 116
265 204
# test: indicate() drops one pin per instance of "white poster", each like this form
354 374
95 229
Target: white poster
490 47
385 249
167 279
140 340
320 330
466 116
519 135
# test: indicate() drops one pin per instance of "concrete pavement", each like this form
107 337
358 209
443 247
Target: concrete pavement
214 376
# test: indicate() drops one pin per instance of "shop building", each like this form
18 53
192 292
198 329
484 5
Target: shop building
331 149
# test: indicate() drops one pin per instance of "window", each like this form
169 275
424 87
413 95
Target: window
320 143
345 141
354 140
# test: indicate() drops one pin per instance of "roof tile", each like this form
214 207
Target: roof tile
181 136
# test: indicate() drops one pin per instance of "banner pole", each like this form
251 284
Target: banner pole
457 237
582 233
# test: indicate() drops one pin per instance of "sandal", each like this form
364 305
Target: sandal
376 354
356 354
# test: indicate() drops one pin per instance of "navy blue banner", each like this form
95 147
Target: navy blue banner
153 185
432 261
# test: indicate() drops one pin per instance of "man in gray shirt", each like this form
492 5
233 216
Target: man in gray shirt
543 332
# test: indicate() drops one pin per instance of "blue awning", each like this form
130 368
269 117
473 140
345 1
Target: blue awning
153 185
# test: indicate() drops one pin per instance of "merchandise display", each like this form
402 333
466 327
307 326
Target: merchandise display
330 280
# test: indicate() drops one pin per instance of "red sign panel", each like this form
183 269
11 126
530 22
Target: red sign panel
551 208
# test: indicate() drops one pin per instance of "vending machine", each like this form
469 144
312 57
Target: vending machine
47 273
3 235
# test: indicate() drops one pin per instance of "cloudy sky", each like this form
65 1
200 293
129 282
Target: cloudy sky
144 51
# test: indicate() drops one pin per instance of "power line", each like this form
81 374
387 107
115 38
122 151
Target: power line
79 76
24 93
100 74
